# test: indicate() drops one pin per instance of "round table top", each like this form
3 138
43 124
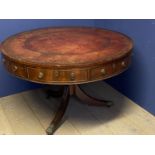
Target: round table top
65 48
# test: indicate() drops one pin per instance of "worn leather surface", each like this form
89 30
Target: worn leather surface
67 46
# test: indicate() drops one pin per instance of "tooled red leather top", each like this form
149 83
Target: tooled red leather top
67 46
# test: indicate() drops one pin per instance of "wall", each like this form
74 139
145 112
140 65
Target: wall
138 83
9 84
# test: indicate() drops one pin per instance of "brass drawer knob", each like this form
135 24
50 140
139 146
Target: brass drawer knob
123 63
15 68
103 72
40 75
56 74
72 76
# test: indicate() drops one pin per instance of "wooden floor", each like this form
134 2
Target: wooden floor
30 113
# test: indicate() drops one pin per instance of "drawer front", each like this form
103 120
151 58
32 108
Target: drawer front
16 69
49 75
102 71
109 69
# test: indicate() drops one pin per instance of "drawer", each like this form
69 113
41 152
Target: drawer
101 72
38 74
50 75
16 69
75 75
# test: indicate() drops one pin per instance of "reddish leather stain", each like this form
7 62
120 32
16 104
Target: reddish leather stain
65 46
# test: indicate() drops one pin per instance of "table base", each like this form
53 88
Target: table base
65 92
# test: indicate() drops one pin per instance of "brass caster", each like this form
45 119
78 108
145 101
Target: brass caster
50 130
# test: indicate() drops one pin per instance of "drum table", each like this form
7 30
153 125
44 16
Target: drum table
67 56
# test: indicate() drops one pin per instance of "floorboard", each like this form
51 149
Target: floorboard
29 113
